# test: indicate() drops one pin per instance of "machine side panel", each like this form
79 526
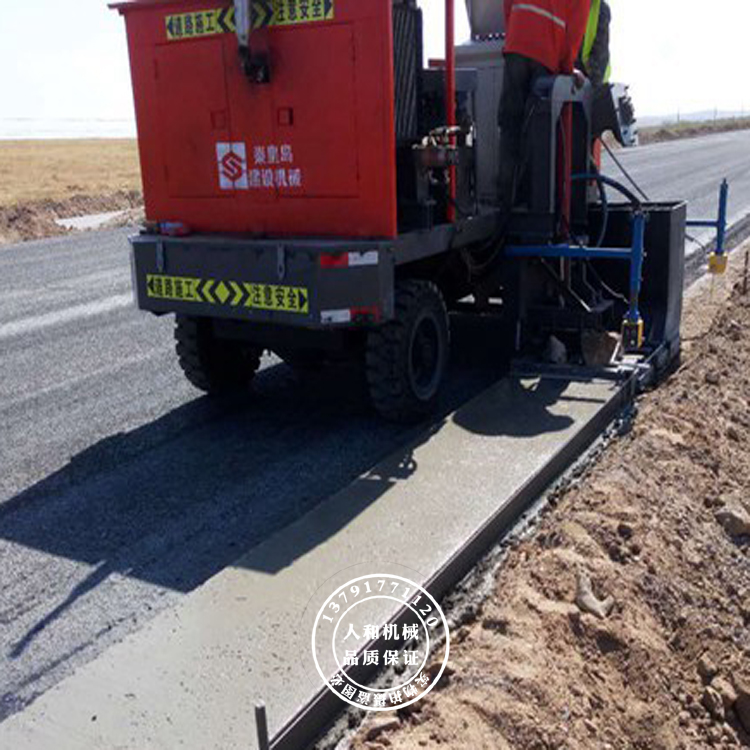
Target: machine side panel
190 168
165 118
487 58
312 153
313 98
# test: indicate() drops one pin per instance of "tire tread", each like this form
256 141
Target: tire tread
212 365
387 353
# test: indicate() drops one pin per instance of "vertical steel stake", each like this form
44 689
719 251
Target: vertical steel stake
261 724
721 228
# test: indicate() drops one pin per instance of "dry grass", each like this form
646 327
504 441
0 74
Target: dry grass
688 129
33 171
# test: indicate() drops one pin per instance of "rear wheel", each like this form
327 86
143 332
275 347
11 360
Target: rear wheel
214 365
407 357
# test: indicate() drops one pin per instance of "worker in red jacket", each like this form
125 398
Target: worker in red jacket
542 38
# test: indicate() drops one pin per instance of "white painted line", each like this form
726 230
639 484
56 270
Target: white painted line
66 315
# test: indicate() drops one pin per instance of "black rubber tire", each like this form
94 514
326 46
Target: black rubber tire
213 365
406 358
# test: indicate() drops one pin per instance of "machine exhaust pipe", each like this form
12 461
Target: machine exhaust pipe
486 18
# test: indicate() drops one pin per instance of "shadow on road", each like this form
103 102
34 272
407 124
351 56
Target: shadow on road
174 502
535 418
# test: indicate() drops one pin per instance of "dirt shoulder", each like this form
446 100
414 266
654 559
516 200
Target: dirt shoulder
657 524
678 131
41 181
36 219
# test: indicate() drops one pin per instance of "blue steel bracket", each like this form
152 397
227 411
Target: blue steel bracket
717 260
633 326
573 252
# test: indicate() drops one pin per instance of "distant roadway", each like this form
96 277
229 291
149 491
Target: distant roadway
122 488
692 170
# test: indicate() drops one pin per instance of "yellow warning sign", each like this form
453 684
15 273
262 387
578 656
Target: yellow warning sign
271 297
263 13
237 294
290 12
200 23
175 288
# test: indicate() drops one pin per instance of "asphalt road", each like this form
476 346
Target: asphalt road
692 170
122 489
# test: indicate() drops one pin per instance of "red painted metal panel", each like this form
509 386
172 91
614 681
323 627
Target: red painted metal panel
314 97
190 167
310 154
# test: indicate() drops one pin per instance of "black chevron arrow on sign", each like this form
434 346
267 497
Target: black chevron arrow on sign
329 9
226 20
262 14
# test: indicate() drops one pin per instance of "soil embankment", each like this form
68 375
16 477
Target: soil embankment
36 219
41 181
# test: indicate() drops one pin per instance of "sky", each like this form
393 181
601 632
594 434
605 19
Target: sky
69 59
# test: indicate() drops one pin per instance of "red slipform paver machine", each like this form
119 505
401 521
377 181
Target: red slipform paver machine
309 192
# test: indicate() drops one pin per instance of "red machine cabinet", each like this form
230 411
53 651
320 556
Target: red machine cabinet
311 154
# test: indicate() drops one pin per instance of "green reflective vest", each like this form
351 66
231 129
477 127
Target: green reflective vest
592 29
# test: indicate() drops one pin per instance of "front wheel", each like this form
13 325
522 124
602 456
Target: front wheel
406 358
214 365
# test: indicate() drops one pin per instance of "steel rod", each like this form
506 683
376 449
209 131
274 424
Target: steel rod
450 95
261 725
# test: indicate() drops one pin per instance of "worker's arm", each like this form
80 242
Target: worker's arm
578 17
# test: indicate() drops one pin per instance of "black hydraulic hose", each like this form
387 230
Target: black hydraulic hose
638 188
628 177
495 243
618 186
476 268
605 213
605 209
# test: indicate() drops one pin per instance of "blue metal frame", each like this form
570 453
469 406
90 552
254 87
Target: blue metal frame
636 265
573 252
635 256
720 225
